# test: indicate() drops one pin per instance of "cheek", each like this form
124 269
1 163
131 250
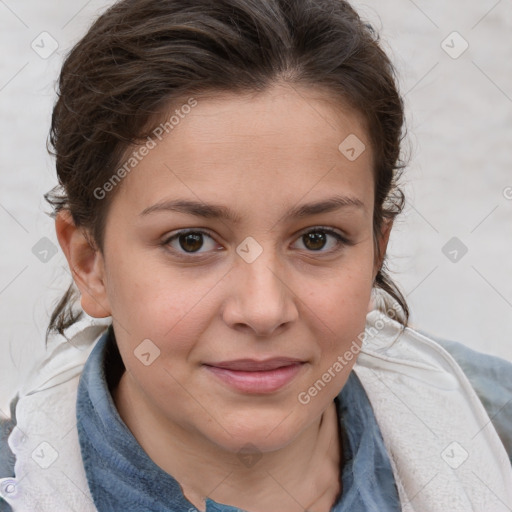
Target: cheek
342 300
154 299
173 318
339 311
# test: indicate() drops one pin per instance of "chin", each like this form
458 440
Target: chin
259 434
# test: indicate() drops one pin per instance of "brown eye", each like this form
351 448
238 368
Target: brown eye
189 242
315 240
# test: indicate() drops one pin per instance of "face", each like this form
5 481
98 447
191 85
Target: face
242 241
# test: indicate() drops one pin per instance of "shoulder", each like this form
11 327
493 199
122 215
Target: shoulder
491 378
48 394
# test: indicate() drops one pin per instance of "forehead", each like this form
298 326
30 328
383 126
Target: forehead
276 146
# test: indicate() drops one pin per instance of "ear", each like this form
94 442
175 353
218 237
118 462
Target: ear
86 264
387 224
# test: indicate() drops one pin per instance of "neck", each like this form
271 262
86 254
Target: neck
303 475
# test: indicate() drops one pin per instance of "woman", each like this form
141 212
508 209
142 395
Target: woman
229 177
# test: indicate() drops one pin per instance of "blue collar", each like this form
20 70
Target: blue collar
121 475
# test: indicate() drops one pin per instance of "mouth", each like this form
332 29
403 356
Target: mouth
252 376
253 365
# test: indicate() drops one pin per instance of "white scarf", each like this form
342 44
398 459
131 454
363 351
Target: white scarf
444 450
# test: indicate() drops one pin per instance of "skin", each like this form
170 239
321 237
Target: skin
260 155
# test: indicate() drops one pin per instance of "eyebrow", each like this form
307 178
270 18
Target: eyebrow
214 211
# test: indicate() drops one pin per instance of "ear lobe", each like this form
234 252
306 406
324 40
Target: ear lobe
86 264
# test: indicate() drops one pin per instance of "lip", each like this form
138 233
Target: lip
252 376
254 365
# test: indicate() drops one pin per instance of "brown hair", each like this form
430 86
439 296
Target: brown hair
140 56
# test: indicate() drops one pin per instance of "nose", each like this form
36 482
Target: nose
261 301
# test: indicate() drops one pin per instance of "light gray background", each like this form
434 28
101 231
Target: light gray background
459 181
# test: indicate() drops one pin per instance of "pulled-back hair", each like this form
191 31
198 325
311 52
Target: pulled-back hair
141 56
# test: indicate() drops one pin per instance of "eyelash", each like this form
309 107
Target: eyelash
341 241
